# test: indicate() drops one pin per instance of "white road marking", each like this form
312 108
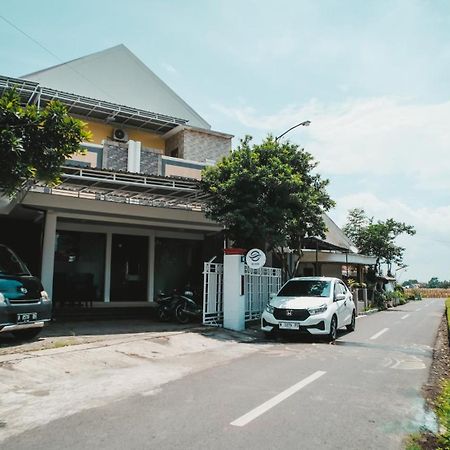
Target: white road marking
261 409
405 316
379 333
419 309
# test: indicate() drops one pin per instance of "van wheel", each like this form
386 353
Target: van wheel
27 334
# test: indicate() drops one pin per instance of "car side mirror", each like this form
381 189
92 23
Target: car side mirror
339 297
272 295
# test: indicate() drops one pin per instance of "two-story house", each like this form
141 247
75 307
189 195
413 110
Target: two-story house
127 219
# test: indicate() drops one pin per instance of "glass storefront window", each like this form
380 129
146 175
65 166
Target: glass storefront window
129 268
79 273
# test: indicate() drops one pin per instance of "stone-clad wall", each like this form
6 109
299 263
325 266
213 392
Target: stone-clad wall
201 147
150 162
115 156
176 141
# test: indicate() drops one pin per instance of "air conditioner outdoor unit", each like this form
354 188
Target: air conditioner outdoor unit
120 135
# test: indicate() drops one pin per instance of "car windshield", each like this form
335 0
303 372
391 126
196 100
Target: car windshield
10 264
305 288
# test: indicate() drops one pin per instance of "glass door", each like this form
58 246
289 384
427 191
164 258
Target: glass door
129 268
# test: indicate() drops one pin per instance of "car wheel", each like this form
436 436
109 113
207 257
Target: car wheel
352 324
333 329
27 334
269 334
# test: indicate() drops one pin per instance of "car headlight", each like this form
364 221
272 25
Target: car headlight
319 310
2 298
44 296
270 308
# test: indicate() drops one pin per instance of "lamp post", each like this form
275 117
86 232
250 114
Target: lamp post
306 123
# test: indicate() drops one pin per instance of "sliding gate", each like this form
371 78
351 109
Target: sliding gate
259 284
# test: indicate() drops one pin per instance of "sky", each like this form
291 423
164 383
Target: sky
372 77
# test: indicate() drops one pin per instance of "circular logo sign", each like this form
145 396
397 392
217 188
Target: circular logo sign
255 258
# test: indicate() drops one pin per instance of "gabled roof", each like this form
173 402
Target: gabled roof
116 75
335 239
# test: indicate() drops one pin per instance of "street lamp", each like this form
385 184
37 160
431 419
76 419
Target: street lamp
306 123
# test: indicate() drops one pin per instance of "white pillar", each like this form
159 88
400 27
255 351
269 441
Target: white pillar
137 156
108 251
48 252
151 267
134 156
131 156
233 290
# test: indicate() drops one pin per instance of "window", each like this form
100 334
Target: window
174 153
305 288
10 264
339 289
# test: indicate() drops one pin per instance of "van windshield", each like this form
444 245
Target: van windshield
305 288
10 264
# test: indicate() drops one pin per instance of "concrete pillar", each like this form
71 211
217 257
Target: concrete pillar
134 156
108 252
233 289
48 252
151 267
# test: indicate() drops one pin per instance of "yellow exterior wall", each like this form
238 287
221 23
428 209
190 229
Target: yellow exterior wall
102 131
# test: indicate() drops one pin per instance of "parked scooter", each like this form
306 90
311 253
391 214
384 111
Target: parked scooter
167 305
186 307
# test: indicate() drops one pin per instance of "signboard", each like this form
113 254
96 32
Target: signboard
255 258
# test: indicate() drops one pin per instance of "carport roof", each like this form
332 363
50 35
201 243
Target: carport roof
126 187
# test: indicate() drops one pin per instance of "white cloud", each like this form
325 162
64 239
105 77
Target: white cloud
386 135
426 252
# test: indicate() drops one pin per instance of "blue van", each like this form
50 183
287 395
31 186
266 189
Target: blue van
24 305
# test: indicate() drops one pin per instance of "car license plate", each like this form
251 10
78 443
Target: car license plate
289 325
26 317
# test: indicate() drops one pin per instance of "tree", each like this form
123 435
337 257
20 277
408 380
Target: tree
34 143
409 283
436 283
377 238
268 195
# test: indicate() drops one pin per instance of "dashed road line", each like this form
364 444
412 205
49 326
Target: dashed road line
261 409
405 316
376 335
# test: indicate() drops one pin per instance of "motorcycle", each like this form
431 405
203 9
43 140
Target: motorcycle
167 305
186 308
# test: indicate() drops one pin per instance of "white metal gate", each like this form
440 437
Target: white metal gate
213 294
259 284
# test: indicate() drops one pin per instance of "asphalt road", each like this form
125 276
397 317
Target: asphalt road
364 392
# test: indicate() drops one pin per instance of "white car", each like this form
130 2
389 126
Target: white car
314 305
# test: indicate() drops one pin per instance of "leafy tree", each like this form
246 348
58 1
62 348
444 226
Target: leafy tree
268 195
435 283
377 238
34 143
410 283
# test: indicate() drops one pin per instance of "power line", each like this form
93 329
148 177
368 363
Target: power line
30 37
51 53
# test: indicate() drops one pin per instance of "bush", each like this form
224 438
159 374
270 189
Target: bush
379 299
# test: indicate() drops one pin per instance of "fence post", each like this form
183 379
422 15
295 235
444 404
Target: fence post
233 289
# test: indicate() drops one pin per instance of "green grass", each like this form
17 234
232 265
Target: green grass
447 308
443 413
413 442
